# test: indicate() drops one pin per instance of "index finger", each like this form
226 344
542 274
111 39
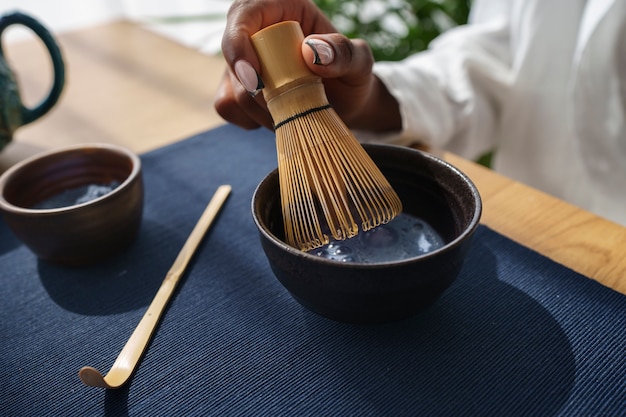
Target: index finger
248 17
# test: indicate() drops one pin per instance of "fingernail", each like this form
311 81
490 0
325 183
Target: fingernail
323 52
248 77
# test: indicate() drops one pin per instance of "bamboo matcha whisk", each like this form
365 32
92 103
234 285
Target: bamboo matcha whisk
328 183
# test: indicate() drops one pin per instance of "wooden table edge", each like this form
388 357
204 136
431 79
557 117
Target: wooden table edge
571 236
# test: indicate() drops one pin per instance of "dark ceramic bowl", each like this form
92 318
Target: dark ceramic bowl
430 189
76 233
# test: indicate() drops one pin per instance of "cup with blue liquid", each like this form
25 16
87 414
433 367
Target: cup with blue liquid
393 271
76 205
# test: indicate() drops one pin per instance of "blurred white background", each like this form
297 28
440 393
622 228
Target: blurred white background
201 27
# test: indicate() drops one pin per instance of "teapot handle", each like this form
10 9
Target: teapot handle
29 115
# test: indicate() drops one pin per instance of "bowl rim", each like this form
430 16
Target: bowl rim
465 233
15 169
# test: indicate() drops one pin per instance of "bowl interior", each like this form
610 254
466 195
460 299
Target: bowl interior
429 188
44 177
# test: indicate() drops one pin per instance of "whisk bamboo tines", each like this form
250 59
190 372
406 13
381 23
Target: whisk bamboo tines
328 183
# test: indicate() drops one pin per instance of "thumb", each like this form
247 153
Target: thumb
336 56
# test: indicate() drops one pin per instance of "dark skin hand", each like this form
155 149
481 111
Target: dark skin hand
345 65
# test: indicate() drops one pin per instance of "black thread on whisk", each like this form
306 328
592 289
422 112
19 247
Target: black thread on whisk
302 114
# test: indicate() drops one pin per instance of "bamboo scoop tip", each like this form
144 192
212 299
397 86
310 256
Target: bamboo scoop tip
92 377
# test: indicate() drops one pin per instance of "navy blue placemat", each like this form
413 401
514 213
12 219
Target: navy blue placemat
516 334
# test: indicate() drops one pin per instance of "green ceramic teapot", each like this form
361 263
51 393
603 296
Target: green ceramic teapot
13 113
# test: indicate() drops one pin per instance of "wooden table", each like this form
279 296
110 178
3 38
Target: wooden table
128 86
124 85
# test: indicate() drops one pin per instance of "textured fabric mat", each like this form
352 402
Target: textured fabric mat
516 334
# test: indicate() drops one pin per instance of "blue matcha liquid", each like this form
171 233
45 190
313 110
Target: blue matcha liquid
77 195
404 237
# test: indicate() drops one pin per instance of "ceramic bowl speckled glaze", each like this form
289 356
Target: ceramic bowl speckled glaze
430 189
80 232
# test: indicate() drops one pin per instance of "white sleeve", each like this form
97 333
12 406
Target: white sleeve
449 95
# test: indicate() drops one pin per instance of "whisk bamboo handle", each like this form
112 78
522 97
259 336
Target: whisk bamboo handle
278 49
291 89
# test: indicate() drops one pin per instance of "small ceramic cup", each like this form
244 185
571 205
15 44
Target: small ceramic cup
76 205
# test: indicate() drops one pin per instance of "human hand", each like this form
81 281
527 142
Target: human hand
345 65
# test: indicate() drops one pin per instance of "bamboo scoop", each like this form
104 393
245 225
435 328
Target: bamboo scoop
328 183
131 353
